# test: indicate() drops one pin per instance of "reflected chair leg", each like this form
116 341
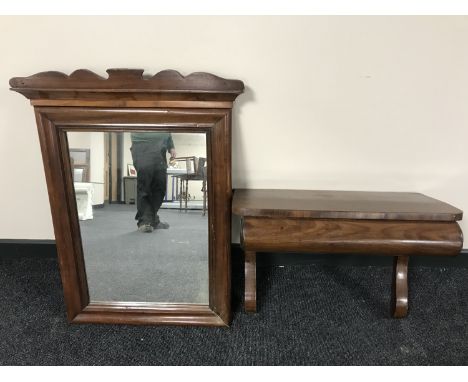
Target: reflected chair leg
400 287
186 194
250 294
181 193
204 197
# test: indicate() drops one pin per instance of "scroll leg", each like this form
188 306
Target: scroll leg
400 287
250 295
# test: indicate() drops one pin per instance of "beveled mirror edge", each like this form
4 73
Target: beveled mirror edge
161 312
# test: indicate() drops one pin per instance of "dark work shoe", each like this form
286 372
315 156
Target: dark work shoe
161 225
145 228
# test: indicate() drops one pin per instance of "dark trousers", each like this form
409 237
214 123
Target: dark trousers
151 181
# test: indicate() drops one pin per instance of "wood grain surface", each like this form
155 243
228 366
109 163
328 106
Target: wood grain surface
127 84
250 269
378 237
400 287
342 205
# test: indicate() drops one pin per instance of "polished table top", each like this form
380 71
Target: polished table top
321 204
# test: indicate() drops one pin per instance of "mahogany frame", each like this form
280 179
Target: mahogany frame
127 101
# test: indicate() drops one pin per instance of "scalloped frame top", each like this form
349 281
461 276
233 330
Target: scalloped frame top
127 84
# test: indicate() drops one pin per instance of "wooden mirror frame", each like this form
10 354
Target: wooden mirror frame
128 100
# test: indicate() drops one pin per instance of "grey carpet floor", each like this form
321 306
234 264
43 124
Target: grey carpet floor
167 265
308 315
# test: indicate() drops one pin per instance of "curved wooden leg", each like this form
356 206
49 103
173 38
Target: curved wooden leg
400 287
250 294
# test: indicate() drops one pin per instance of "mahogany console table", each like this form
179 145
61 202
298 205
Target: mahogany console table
396 224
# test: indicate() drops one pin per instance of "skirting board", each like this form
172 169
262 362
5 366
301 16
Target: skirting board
27 248
47 249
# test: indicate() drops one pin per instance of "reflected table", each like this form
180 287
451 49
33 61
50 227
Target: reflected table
130 185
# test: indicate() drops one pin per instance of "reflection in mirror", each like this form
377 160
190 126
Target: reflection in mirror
142 209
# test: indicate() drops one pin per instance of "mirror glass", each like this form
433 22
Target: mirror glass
142 206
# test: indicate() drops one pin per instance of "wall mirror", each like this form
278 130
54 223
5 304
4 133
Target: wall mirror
138 172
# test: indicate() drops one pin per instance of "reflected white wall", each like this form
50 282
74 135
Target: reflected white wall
94 141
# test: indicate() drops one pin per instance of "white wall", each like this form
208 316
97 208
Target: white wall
353 103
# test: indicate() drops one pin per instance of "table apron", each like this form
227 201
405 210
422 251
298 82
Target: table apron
376 237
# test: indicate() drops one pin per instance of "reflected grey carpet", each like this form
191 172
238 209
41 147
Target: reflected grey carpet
166 265
308 315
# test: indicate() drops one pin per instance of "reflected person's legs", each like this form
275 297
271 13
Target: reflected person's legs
159 186
145 214
144 160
